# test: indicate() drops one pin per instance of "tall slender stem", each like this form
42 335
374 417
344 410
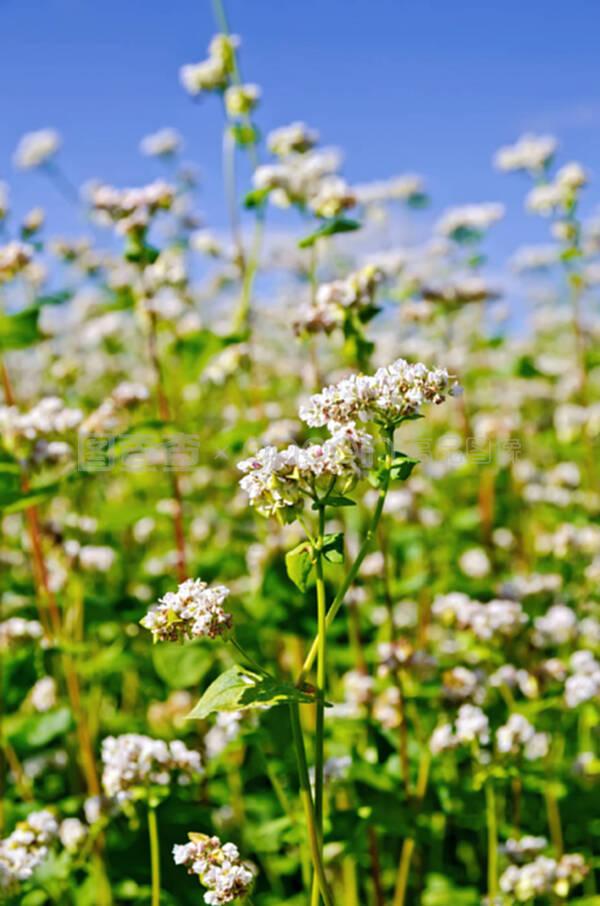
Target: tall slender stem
307 803
321 680
154 854
408 847
353 571
492 840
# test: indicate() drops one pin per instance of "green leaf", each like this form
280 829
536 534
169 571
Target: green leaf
333 547
298 563
182 666
239 688
339 502
36 731
256 198
402 466
21 330
329 228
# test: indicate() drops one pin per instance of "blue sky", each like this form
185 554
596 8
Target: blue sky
432 86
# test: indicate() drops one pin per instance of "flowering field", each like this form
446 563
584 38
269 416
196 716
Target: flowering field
300 534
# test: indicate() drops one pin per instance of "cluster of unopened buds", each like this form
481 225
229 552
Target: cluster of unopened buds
218 867
194 611
133 763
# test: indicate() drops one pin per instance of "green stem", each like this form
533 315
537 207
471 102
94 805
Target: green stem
307 803
154 854
321 680
492 840
353 571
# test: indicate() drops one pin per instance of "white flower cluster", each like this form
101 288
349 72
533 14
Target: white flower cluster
471 725
386 397
584 682
497 618
515 677
14 259
212 74
43 694
36 148
469 220
407 187
518 736
308 180
130 210
297 138
525 848
163 143
217 865
26 848
532 153
556 627
569 539
334 300
241 100
133 763
543 876
49 416
194 611
274 479
18 629
549 197
72 832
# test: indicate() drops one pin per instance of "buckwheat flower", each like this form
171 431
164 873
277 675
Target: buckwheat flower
164 143
497 618
96 558
572 176
475 563
531 152
556 627
461 684
241 100
274 480
213 73
43 694
27 847
525 848
442 739
225 729
14 259
218 867
546 198
386 397
333 197
469 221
72 832
584 683
407 187
36 148
535 258
297 138
194 611
471 725
132 763
518 735
543 876
16 630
